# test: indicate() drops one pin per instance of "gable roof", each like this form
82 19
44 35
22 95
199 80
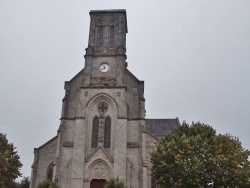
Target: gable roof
47 143
159 127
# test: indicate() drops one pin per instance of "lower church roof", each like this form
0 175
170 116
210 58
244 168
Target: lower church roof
160 127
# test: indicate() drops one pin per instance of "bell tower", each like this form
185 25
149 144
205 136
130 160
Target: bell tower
106 52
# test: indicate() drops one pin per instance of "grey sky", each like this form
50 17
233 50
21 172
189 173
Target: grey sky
193 56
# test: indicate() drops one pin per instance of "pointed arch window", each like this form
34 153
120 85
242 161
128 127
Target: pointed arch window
107 132
95 128
100 36
112 35
50 172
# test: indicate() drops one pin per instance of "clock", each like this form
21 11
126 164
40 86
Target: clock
104 67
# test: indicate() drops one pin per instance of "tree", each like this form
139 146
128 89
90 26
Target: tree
10 164
115 183
47 184
25 182
195 156
12 184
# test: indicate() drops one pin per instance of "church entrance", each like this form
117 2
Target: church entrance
97 183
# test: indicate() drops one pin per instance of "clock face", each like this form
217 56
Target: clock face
104 67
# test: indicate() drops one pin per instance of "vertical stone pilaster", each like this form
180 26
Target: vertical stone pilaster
31 178
122 31
77 167
120 70
34 168
55 177
128 174
120 149
144 181
144 156
87 70
92 32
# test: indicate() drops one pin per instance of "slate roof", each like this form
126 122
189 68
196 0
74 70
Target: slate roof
159 127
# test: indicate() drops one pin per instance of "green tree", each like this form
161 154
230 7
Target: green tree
12 184
25 183
10 164
115 183
195 156
47 184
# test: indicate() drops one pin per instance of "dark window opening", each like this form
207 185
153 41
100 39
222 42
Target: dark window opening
100 38
95 128
107 132
50 172
112 35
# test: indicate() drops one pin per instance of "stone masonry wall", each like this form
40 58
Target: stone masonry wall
46 155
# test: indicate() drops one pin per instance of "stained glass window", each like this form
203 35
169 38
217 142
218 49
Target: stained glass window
95 128
107 132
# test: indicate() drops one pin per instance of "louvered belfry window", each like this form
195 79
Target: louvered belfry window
112 35
100 37
95 128
107 132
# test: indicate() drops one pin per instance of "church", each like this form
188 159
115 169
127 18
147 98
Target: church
103 130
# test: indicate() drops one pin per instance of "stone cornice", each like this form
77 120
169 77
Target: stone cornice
81 117
105 55
72 118
103 87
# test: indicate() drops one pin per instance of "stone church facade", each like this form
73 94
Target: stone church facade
103 130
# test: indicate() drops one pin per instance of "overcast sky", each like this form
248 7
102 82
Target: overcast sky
194 57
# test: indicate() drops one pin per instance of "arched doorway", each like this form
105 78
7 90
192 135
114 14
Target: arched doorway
97 183
98 172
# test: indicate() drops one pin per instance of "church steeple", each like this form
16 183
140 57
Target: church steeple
106 53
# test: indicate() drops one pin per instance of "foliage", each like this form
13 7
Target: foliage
12 184
194 156
9 162
25 182
115 183
48 184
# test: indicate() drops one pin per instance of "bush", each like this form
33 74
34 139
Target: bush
115 183
48 184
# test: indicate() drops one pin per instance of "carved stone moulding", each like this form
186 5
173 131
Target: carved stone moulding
106 14
68 144
132 145
72 118
103 81
99 171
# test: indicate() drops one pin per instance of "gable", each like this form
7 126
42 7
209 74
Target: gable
48 143
99 153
